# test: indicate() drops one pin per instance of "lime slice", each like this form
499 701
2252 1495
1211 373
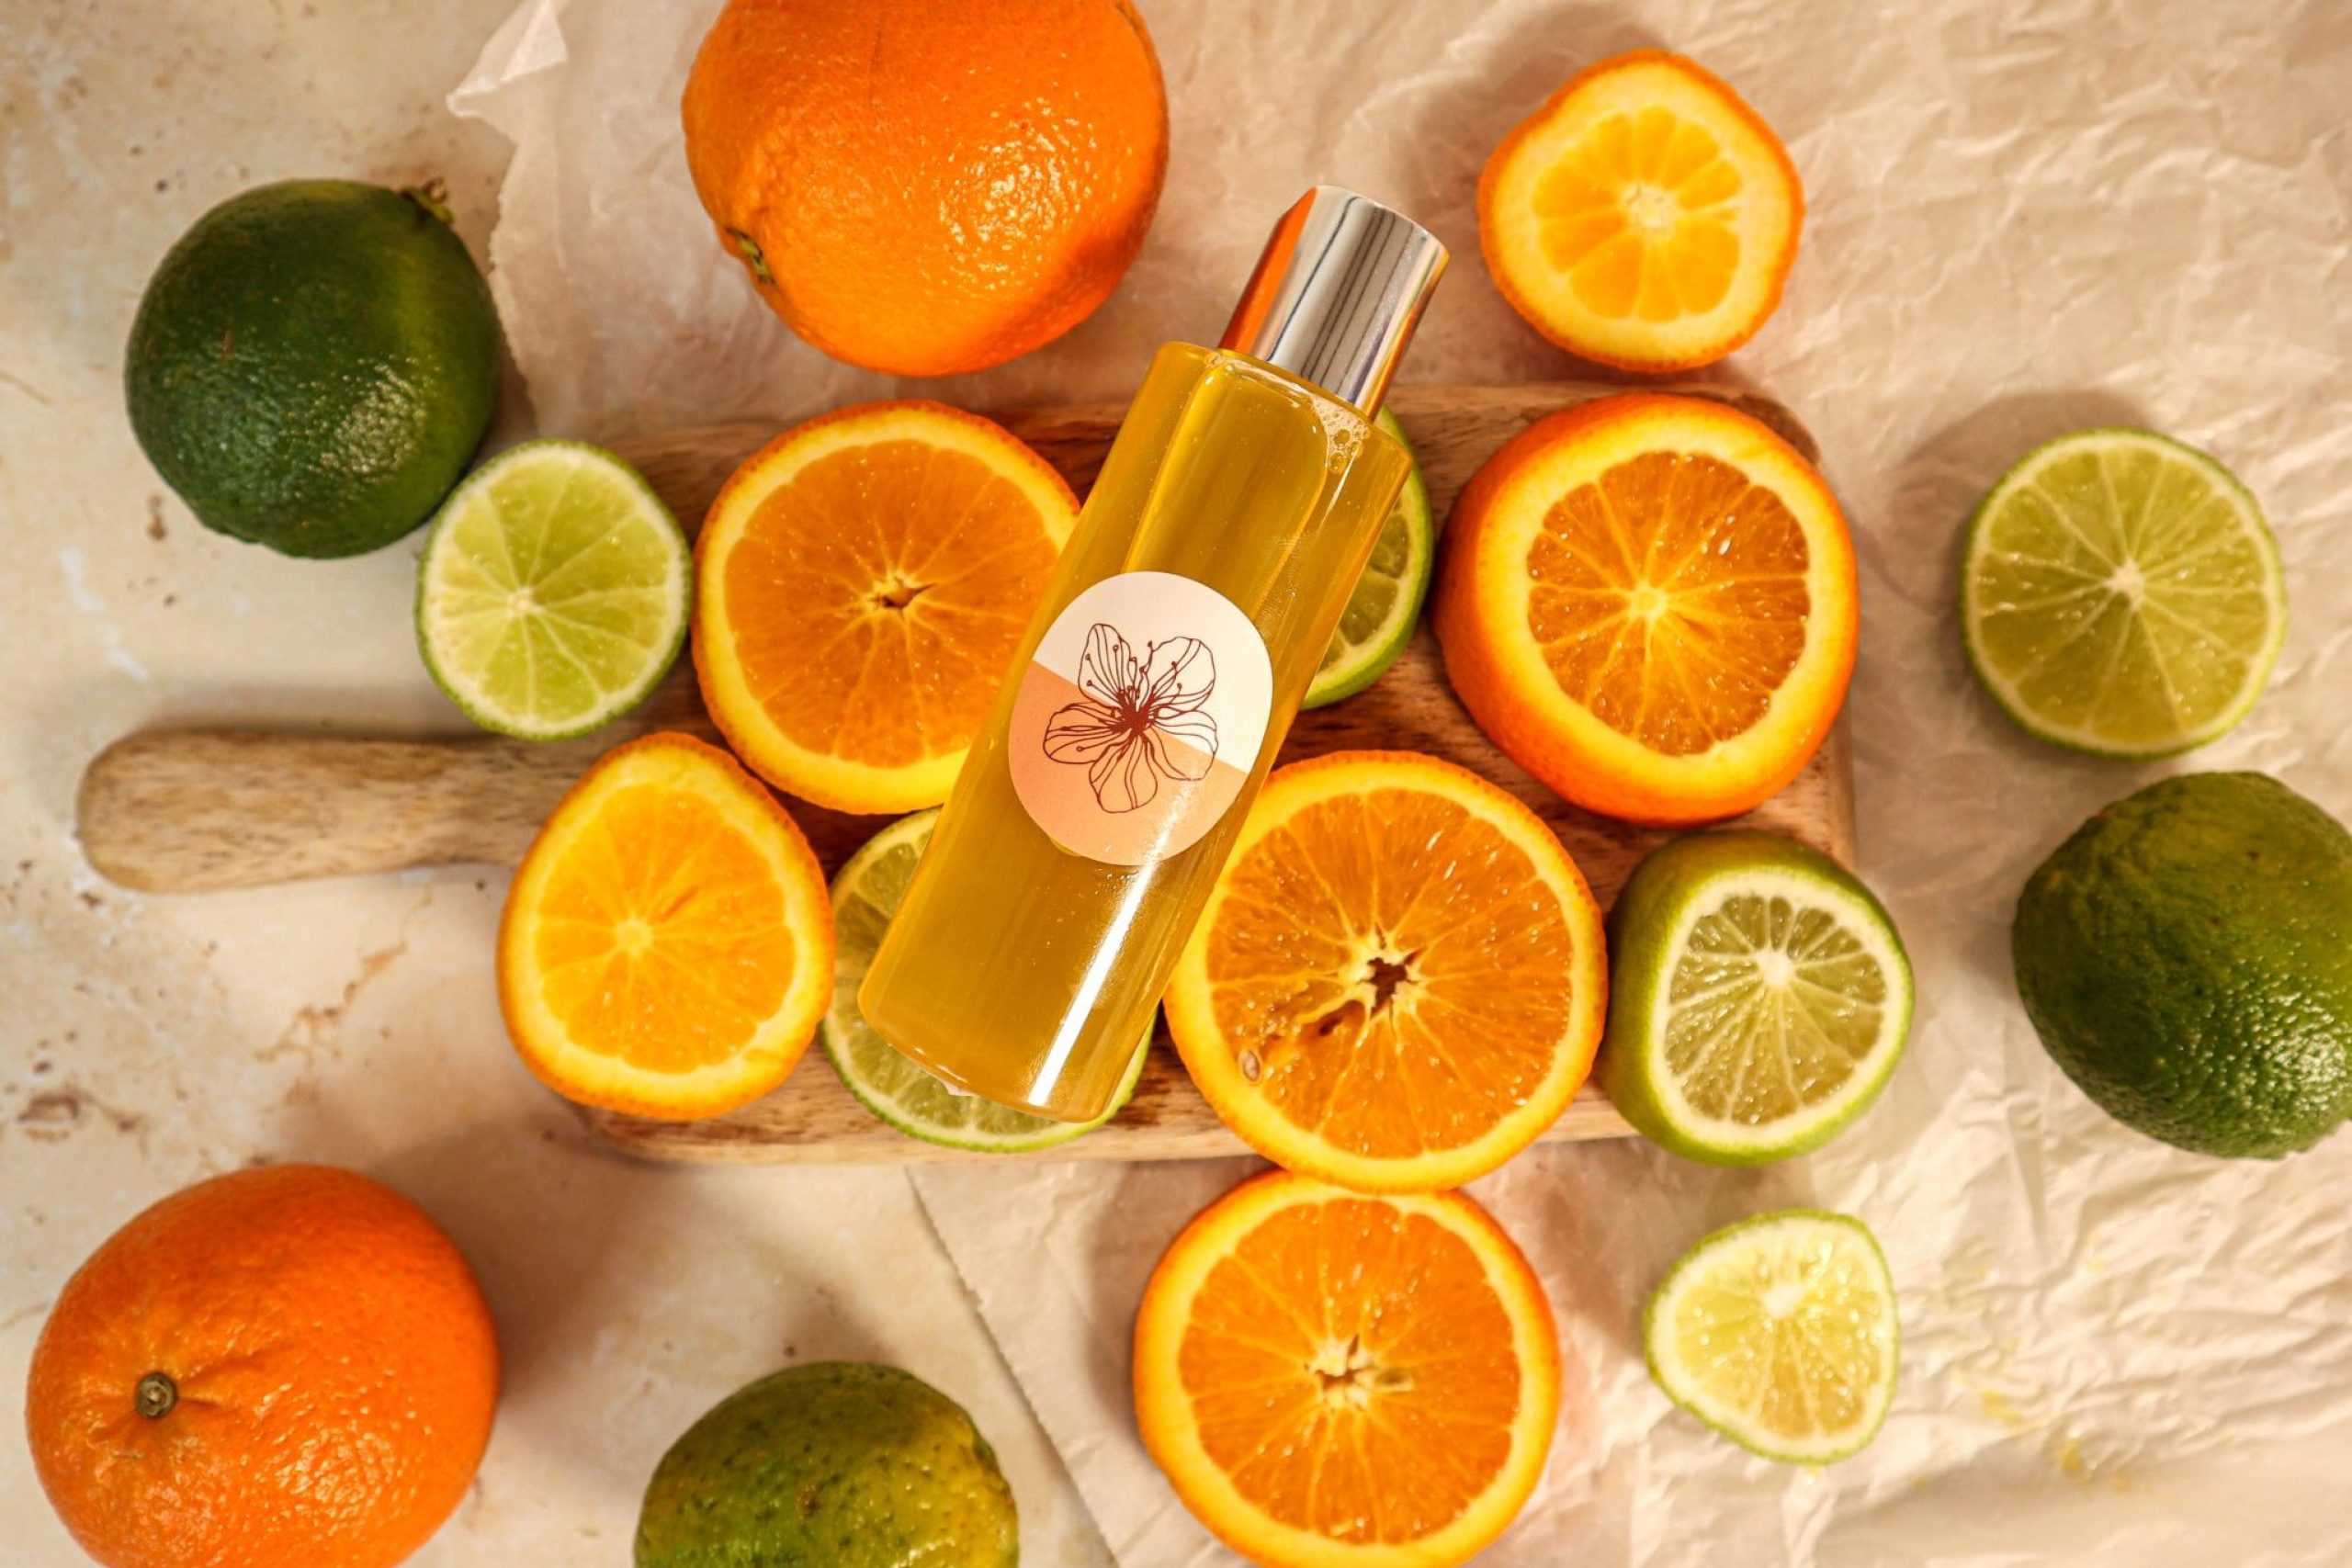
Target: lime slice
867 893
1381 613
553 590
1780 1332
2123 594
1758 999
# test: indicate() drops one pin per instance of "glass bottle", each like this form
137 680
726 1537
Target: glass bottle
1222 540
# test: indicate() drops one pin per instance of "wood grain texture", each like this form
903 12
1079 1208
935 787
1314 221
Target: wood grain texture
194 810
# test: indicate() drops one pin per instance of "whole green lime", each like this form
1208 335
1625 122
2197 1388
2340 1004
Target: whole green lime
2187 957
844 1465
314 364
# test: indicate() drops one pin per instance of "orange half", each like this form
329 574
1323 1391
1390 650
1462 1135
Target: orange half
1649 602
1399 981
862 585
1646 216
1334 1380
667 948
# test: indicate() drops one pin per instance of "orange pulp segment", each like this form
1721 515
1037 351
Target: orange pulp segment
1330 1379
1645 216
1649 602
863 584
1399 981
667 947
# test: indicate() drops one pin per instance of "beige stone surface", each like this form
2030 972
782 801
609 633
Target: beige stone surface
147 1042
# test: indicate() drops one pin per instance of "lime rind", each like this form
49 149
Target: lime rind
597 646
2148 681
1831 964
1402 564
866 891
1706 1267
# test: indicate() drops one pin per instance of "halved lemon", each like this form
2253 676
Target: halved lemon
862 585
1399 981
667 947
1337 1380
1646 216
1649 602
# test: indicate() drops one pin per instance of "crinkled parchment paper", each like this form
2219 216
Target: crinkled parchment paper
2025 217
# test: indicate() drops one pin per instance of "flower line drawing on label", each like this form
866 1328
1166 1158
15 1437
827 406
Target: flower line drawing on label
1139 721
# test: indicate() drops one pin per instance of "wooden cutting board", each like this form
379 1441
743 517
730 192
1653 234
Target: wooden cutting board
189 811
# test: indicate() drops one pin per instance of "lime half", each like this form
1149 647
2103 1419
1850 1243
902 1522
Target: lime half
1780 1332
553 590
2123 594
867 893
1758 999
1381 613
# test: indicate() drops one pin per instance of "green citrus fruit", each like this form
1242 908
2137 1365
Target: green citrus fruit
553 590
2186 959
314 364
867 893
1780 1332
2123 594
1386 604
847 1464
1758 999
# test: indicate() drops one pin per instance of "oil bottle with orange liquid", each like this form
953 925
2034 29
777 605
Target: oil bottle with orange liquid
1218 548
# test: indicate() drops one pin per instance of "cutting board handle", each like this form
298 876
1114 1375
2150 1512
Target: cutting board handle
197 811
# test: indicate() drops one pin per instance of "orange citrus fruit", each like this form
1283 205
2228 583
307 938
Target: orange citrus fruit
862 585
1649 602
1338 1381
1398 982
929 189
286 1365
667 948
1645 216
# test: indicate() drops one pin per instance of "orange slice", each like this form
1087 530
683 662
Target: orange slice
667 948
1399 980
862 585
1333 1381
1645 216
1649 602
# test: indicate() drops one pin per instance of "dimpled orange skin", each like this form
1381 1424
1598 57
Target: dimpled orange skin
927 190
335 1370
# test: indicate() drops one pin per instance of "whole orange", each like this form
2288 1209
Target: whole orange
281 1368
927 189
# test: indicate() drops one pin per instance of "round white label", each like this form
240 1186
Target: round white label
1140 718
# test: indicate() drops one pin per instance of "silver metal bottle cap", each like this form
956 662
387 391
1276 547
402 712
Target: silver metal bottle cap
1338 293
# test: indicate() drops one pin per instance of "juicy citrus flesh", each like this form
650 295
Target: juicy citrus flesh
1780 1332
1775 1006
553 590
866 892
1398 983
2123 594
1670 599
1379 617
333 1372
1329 1378
865 581
814 135
1650 604
667 947
1645 216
